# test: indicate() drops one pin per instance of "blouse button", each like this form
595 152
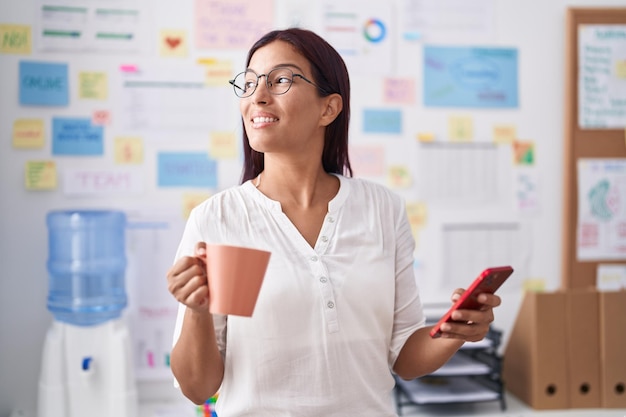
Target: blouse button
314 258
331 219
323 280
330 304
324 239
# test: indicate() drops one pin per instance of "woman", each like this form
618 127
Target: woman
339 310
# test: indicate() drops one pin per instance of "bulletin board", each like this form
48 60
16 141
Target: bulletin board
588 137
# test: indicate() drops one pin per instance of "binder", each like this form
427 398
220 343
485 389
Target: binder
535 359
613 348
583 348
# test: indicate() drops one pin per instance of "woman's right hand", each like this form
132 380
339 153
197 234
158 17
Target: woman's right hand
187 280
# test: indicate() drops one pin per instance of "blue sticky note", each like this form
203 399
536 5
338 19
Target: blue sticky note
470 77
76 136
43 84
382 121
186 169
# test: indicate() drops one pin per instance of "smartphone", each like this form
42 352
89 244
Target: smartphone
487 282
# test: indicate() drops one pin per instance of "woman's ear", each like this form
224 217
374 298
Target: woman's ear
333 106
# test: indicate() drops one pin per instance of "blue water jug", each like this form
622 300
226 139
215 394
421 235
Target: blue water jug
86 265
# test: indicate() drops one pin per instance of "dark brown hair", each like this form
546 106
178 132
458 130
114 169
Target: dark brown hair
331 75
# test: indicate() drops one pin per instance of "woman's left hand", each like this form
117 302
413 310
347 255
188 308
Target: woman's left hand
471 325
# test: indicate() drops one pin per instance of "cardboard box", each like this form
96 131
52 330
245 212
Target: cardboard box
613 348
535 358
583 348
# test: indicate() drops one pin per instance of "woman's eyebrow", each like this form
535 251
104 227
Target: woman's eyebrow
288 65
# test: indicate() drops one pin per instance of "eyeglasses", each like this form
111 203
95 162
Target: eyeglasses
278 81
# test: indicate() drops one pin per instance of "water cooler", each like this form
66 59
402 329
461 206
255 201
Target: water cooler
87 367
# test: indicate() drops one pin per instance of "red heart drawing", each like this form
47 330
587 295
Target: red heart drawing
172 42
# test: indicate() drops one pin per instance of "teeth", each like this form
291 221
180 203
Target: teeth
263 119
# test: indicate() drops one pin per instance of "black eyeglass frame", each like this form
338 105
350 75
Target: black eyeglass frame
268 83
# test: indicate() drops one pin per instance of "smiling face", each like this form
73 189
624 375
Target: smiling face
292 123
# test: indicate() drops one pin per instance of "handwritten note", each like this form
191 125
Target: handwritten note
28 133
399 176
15 39
102 181
41 175
382 121
186 169
191 200
230 24
399 90
76 136
504 134
128 150
93 85
101 118
602 76
43 84
524 152
223 145
217 73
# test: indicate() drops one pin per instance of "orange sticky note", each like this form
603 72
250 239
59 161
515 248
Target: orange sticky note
28 133
426 137
524 152
40 175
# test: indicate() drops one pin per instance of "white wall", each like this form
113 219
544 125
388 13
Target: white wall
535 27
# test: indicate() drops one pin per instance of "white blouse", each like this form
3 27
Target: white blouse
330 321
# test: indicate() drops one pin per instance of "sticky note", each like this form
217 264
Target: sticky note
186 169
398 176
76 136
223 145
43 84
534 284
173 43
426 137
191 200
524 152
461 128
620 69
28 133
41 175
417 213
382 121
217 73
504 134
128 150
367 160
399 90
93 85
15 39
101 118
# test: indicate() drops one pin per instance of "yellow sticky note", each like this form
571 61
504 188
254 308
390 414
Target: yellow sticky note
28 133
417 213
190 200
426 137
524 152
398 176
173 43
620 69
15 39
217 73
93 85
534 284
504 134
223 145
128 150
41 175
461 128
